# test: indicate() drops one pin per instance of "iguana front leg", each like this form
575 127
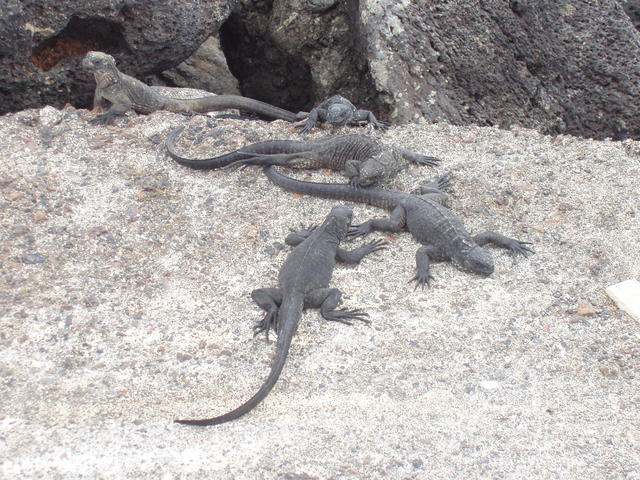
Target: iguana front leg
99 101
368 116
352 171
310 122
116 109
514 246
426 255
296 237
395 223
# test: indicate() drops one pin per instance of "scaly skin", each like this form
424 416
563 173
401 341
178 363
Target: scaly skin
363 159
441 233
302 283
123 93
336 111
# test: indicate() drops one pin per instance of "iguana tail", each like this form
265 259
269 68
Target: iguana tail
282 159
215 103
260 148
288 317
377 197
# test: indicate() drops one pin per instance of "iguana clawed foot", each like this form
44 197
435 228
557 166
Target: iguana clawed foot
375 246
302 229
517 247
381 125
305 126
267 323
421 279
426 160
361 230
103 119
344 316
355 181
444 182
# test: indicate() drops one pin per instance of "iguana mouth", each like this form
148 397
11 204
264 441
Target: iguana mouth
88 64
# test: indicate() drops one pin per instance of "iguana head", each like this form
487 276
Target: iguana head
98 61
369 173
338 221
471 257
339 114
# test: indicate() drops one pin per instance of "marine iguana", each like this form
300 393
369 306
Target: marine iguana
124 93
303 282
441 233
337 111
364 159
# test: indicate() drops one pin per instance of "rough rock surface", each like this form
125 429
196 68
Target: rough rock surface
42 43
632 7
566 66
206 69
124 303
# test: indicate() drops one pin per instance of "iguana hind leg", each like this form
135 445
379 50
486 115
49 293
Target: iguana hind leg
394 223
327 300
418 158
435 190
269 300
514 246
354 256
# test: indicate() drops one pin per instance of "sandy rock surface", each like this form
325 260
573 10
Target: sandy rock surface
124 303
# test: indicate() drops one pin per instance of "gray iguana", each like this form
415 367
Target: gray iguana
123 93
441 233
365 160
303 282
336 111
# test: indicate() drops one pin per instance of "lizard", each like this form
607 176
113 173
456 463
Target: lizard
303 282
122 93
365 160
438 229
336 111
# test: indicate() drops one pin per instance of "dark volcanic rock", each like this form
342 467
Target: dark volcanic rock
41 43
206 69
567 66
297 53
559 66
632 7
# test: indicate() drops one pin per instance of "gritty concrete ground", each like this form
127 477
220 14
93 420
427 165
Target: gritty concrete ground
124 303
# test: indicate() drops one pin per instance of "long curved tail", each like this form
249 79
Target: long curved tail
211 163
288 316
223 102
377 197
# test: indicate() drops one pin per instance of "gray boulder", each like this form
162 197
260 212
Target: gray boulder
632 7
206 70
297 53
41 43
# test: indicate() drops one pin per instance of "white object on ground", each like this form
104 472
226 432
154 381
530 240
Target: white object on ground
627 296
